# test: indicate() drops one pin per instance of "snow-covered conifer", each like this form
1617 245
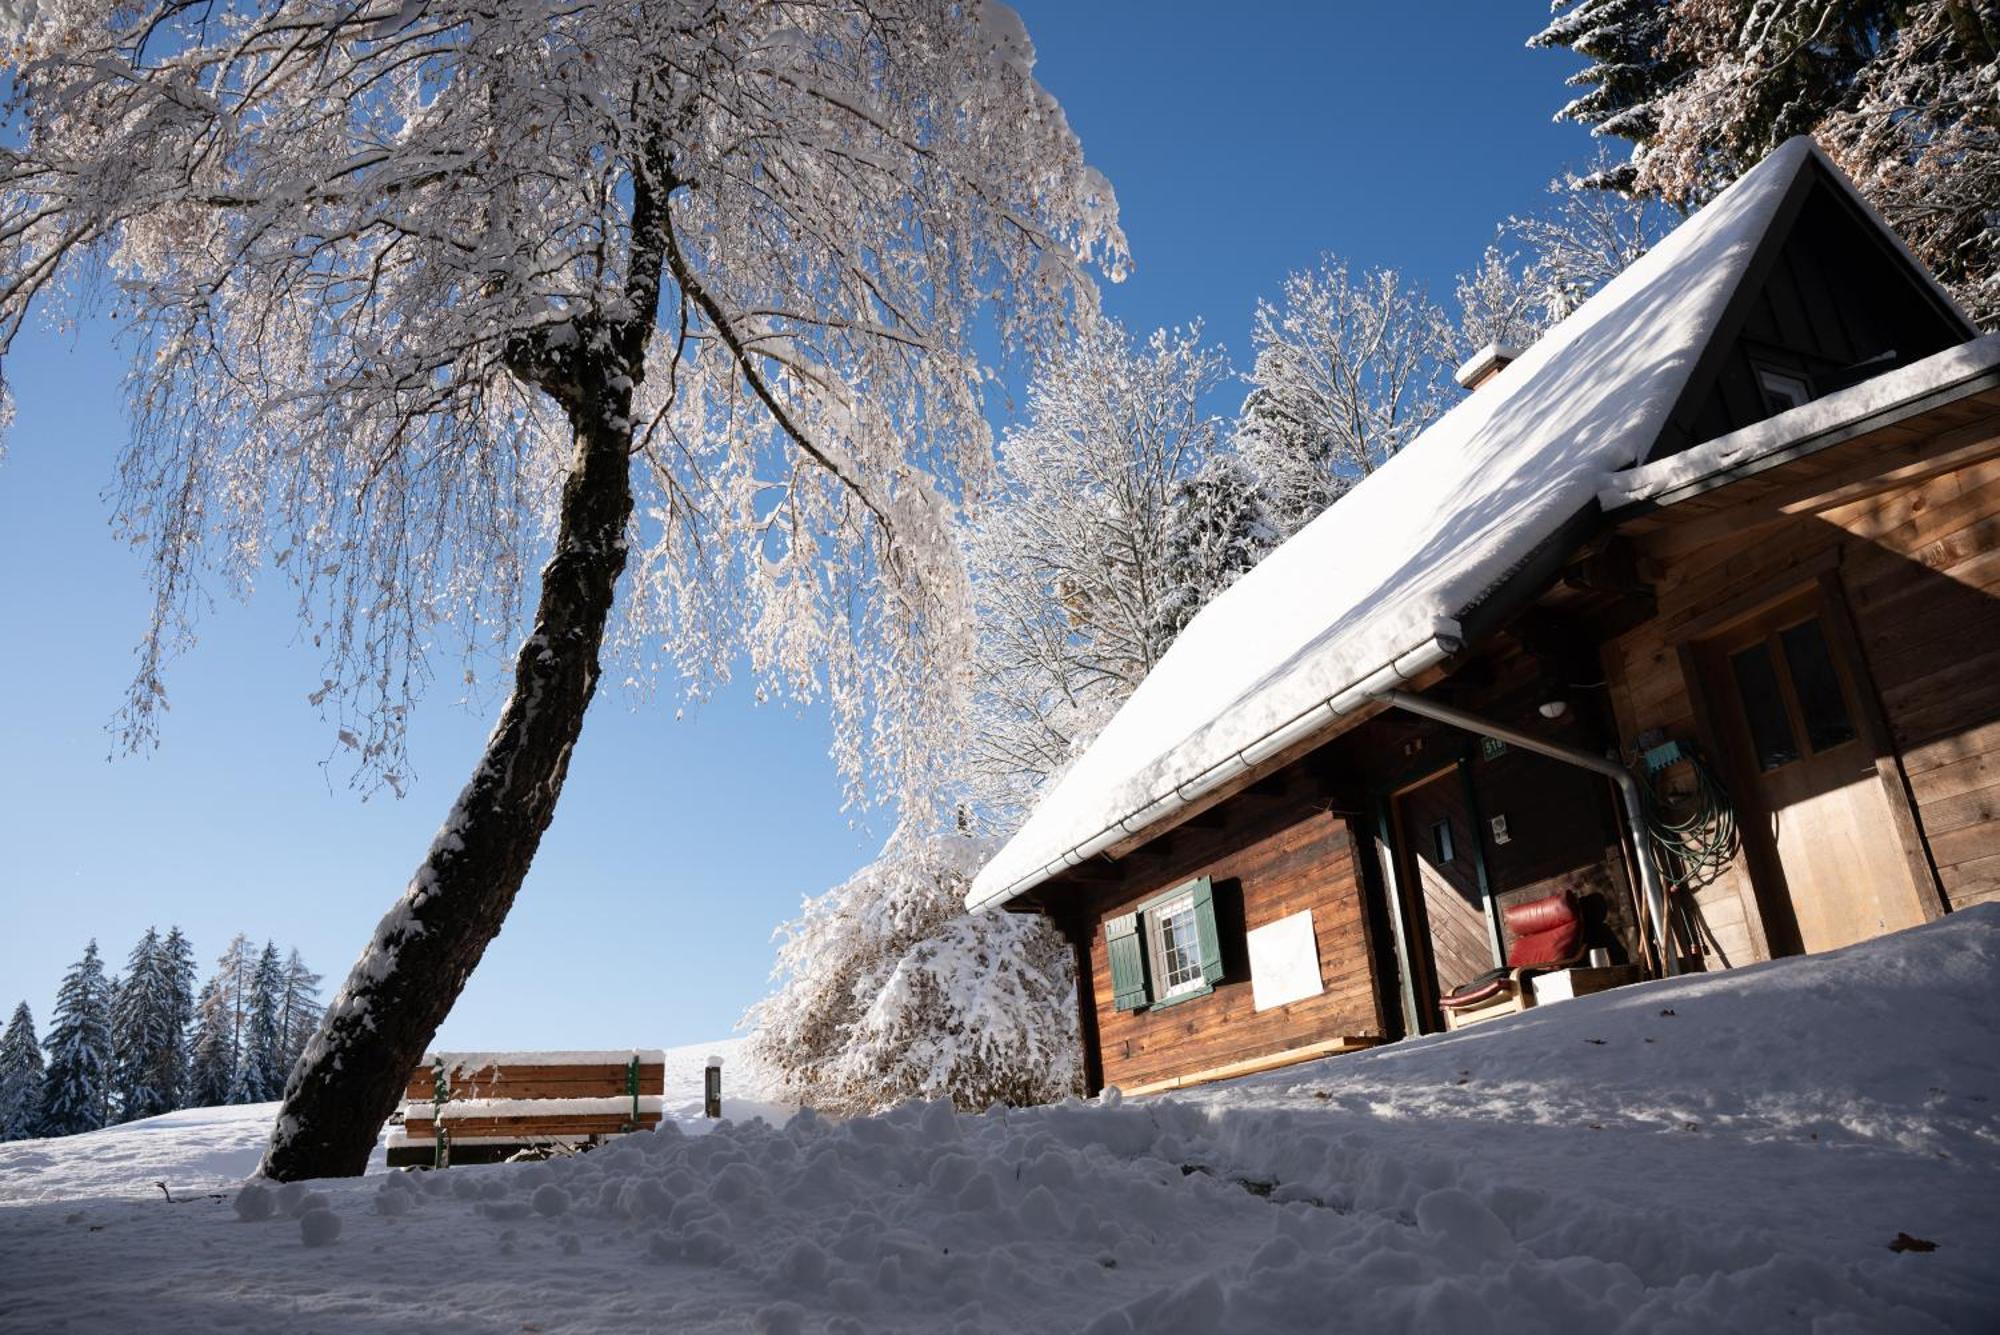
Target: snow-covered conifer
211 1050
1631 69
260 1072
1216 530
888 991
419 295
1903 96
147 1032
76 1084
20 1077
299 1011
1348 371
170 1076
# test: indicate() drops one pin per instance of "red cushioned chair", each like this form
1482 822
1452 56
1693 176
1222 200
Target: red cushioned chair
1547 934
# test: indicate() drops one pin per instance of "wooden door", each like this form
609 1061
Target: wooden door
1817 820
1441 870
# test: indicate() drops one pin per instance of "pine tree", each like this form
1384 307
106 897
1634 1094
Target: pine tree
20 1077
299 1010
76 1088
259 1073
212 1052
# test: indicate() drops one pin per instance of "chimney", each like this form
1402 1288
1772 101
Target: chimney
1484 364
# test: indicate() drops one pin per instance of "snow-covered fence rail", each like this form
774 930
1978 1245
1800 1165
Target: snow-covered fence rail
484 1106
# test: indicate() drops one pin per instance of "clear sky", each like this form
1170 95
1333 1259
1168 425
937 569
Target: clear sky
1243 139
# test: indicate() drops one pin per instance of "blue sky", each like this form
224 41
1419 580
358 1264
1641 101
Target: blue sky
1243 140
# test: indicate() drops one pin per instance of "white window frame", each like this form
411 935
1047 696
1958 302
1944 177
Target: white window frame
1156 947
1782 389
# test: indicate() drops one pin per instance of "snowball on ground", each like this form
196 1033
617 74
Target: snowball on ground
1722 1152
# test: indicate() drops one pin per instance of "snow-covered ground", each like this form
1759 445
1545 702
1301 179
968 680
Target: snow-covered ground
1726 1153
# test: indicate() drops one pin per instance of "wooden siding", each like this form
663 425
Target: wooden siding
1260 875
1918 568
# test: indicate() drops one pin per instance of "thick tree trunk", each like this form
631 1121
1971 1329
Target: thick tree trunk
375 1032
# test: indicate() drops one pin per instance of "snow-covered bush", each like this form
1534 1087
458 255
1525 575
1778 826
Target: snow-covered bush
889 991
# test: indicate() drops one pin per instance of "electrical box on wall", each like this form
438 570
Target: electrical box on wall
1500 835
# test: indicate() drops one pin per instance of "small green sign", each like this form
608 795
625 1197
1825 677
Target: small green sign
1491 748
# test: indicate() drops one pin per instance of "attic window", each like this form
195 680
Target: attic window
1783 389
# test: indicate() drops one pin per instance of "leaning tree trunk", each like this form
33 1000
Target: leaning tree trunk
374 1034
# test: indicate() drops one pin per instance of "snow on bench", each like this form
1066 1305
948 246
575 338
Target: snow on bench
480 1107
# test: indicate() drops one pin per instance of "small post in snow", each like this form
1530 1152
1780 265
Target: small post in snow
711 1091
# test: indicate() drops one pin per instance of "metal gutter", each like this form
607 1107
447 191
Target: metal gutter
1444 641
1653 890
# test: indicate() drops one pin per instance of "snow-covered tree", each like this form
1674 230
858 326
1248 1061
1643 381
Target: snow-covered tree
260 1069
1348 371
20 1077
420 295
149 1031
299 1011
1631 69
1584 239
1502 300
76 1084
1903 96
1216 529
211 1051
888 991
1069 561
177 967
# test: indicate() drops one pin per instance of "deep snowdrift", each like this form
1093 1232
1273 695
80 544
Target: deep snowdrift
1732 1152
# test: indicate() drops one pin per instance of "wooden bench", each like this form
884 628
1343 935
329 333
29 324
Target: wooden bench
484 1107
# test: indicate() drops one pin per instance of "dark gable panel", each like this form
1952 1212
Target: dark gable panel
1829 300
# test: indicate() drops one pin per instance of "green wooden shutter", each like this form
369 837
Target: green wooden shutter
1205 933
1128 962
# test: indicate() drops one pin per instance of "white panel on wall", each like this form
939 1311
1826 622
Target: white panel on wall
1284 962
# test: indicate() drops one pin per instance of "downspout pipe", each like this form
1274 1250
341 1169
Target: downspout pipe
1651 887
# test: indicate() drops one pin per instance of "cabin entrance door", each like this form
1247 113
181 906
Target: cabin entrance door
1823 845
1444 884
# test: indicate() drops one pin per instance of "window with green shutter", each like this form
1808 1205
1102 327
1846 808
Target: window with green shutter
1167 949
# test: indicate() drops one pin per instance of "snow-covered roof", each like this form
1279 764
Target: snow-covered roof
1368 594
1961 369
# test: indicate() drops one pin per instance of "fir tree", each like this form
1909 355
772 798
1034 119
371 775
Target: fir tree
76 1089
149 1021
1631 69
170 1076
1216 530
20 1077
212 1052
136 1022
259 1073
299 1010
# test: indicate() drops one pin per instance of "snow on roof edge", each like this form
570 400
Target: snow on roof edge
1337 605
1939 373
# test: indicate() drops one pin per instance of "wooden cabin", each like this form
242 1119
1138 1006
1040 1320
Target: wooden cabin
1731 526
